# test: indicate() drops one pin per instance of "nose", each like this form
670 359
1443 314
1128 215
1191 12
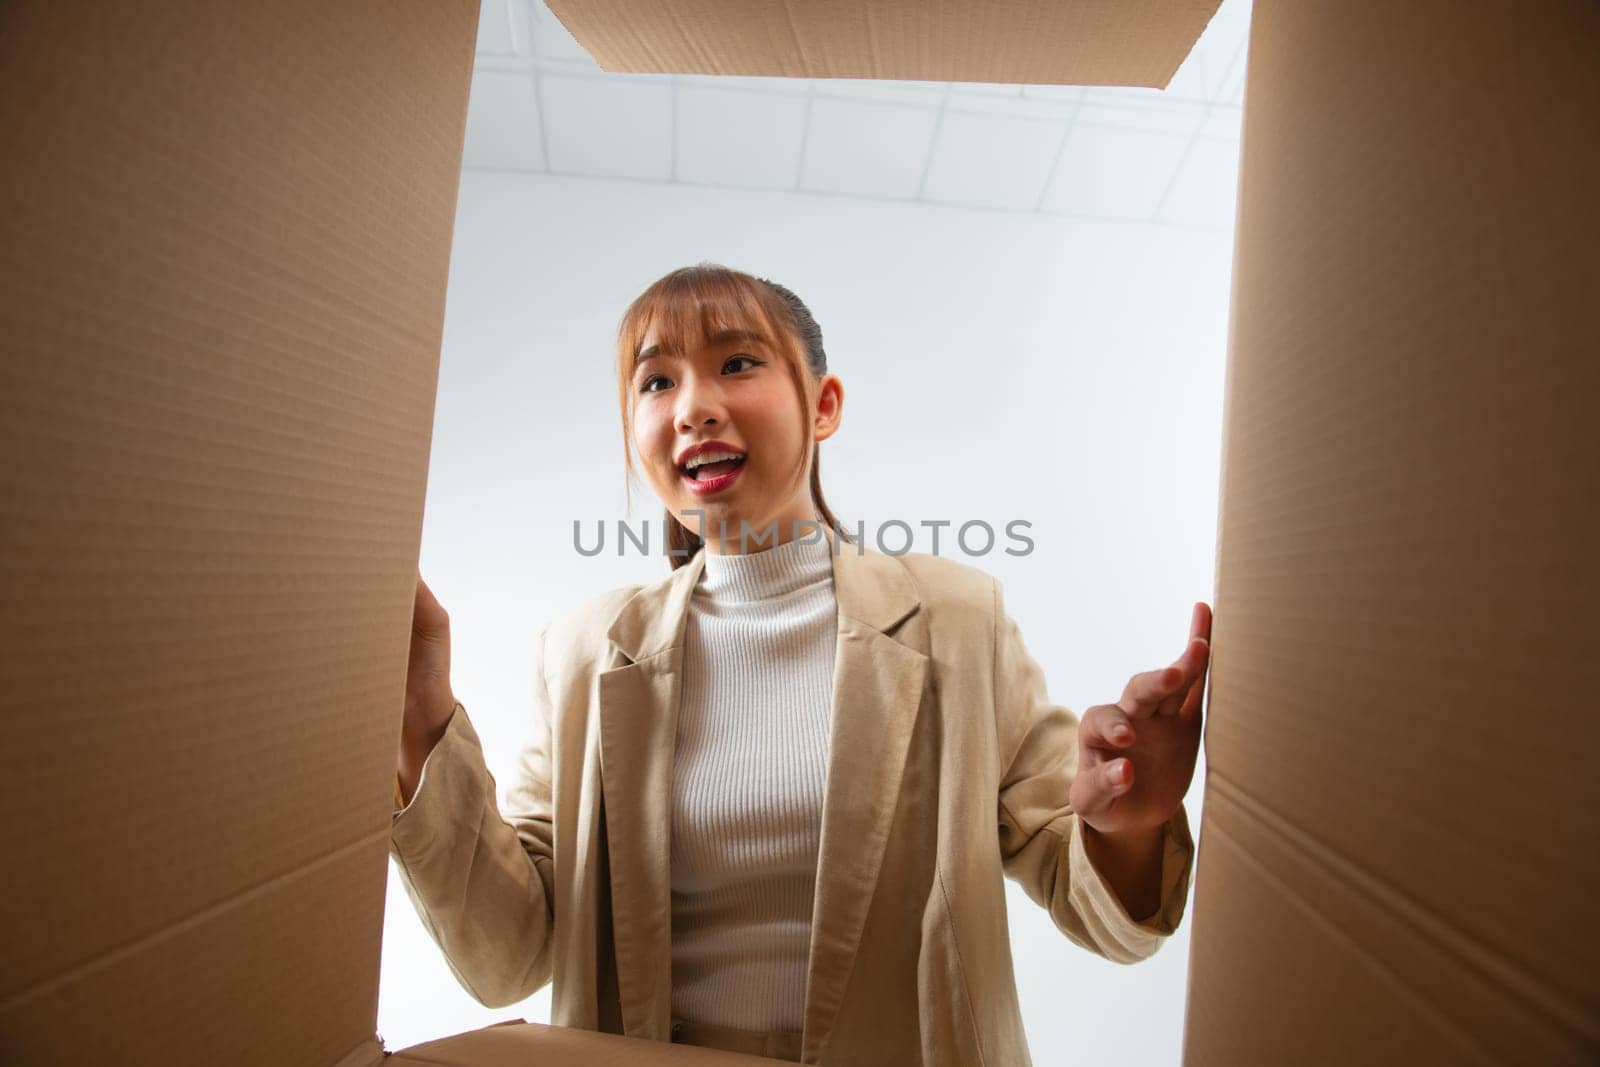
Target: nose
699 404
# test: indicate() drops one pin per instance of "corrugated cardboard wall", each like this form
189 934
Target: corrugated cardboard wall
224 235
1034 42
1398 863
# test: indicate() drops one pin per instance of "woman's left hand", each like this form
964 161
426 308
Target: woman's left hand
1136 757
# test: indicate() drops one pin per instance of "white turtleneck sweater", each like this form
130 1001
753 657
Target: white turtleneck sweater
747 785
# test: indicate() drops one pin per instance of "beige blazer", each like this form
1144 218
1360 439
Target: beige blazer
949 768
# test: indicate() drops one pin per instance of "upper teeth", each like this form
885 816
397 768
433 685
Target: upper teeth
709 457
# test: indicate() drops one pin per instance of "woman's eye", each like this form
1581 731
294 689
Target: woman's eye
645 387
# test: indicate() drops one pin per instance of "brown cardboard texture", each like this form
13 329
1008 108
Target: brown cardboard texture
520 1045
226 237
1033 42
1398 855
227 230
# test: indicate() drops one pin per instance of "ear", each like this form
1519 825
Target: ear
830 406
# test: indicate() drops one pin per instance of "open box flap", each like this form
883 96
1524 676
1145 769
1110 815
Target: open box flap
1011 42
369 1053
1397 854
520 1044
225 238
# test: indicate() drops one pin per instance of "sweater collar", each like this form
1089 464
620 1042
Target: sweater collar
768 572
873 587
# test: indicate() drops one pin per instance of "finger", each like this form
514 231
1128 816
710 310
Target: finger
427 613
1099 787
1145 692
1186 702
1168 708
1116 776
1191 702
1170 704
1106 726
1193 660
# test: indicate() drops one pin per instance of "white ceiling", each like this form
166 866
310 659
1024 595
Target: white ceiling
1167 157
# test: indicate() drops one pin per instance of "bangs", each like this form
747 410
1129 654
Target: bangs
693 308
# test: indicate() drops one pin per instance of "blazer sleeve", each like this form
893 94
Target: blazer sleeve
1041 837
482 881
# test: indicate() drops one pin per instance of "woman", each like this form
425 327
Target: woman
768 800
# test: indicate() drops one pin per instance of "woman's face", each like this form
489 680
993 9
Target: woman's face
739 392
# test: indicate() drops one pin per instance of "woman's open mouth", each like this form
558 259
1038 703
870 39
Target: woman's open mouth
711 477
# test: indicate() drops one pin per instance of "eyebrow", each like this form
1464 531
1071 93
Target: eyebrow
721 337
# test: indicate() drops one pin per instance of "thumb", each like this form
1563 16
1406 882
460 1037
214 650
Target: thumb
428 617
1118 776
1099 786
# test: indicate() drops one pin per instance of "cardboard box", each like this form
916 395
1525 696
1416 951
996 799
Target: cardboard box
1010 42
227 229
1398 851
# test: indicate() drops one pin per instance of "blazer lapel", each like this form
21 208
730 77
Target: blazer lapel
638 734
877 689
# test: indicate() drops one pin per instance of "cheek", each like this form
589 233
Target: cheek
780 417
650 435
774 411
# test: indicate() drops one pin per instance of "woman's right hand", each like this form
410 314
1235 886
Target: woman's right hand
430 701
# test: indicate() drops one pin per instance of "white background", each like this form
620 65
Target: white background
1060 366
